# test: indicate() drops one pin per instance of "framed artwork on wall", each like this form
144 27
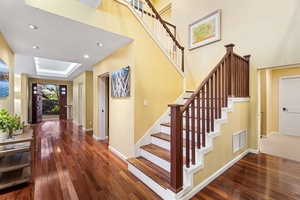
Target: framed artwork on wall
205 30
120 83
4 79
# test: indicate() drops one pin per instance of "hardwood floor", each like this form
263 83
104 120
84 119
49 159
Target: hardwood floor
256 177
70 164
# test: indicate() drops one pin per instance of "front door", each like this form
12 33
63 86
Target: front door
63 102
289 106
37 104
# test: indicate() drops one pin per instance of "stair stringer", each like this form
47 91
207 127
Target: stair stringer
146 139
188 174
127 3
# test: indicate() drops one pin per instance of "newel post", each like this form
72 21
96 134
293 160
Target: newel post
247 57
176 149
230 70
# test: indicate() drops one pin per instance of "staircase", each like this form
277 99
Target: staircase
167 160
168 163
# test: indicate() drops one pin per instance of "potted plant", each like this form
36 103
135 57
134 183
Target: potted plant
9 123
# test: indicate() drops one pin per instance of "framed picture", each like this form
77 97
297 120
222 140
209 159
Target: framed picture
206 30
120 83
4 79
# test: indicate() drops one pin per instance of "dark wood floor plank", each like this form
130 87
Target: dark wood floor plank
70 164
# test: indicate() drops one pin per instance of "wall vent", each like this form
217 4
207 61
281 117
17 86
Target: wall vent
239 140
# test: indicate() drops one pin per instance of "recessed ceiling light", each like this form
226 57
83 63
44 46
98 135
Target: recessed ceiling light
86 56
35 47
100 44
32 26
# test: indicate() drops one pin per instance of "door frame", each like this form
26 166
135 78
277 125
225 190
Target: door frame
80 104
103 112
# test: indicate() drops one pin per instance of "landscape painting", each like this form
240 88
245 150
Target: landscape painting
4 79
120 83
205 30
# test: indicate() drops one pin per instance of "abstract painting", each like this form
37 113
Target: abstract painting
205 31
4 79
120 83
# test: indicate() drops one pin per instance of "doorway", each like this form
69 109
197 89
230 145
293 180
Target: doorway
289 105
104 107
80 104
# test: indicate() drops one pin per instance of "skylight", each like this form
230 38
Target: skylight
54 68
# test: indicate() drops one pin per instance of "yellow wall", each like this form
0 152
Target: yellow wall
121 110
269 35
24 97
86 79
7 55
222 153
89 100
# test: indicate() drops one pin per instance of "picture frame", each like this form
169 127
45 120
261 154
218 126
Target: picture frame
4 79
120 83
205 30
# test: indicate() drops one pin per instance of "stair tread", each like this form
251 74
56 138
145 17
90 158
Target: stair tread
158 151
156 173
167 138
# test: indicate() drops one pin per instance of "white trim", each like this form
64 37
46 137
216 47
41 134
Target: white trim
240 99
88 129
117 153
178 68
76 123
203 184
254 151
96 137
266 136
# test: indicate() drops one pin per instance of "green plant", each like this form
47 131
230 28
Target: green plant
10 123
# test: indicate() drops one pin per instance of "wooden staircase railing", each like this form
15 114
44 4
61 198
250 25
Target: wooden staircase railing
230 78
160 30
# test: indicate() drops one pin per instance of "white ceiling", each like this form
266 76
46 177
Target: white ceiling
58 39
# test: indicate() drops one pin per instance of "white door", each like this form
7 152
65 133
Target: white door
104 106
289 105
80 104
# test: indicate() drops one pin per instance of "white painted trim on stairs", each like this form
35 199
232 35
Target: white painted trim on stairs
156 160
240 99
178 68
117 153
146 139
199 187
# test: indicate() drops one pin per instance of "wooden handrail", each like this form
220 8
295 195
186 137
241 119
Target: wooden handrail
230 78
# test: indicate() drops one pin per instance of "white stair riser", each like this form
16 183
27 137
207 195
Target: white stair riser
166 145
161 143
167 130
156 160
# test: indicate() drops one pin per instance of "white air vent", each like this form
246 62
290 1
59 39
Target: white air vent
239 140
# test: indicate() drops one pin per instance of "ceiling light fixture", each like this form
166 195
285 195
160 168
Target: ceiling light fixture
35 47
32 26
100 44
86 56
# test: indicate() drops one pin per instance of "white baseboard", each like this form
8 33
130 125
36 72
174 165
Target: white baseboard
96 138
88 129
266 136
117 153
199 187
254 151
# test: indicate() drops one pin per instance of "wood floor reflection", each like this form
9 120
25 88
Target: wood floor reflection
70 164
